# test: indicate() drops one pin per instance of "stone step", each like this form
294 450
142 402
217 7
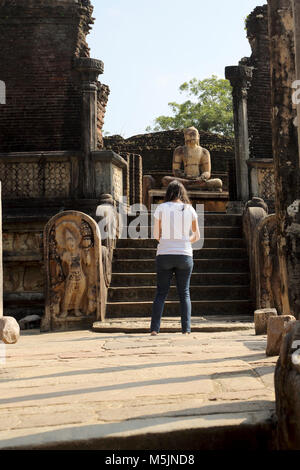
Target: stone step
211 231
204 253
199 307
200 265
207 324
223 232
138 243
142 293
210 219
201 279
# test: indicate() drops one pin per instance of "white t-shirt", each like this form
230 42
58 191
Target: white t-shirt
176 226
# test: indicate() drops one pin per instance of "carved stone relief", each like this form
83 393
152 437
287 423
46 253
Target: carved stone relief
106 212
117 178
57 178
268 285
35 179
266 183
73 259
26 242
22 278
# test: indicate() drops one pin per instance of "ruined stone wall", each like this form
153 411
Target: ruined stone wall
259 94
39 40
157 148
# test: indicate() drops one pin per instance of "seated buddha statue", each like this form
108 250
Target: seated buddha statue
196 163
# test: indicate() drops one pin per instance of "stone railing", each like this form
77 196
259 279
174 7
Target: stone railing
39 175
266 259
37 186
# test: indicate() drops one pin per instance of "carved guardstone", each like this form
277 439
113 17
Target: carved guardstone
75 290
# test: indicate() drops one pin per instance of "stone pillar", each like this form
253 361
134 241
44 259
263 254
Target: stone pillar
240 79
296 11
285 149
90 70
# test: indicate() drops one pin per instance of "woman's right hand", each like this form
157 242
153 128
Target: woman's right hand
196 232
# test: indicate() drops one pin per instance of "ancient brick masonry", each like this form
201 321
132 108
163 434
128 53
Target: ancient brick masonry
259 94
251 82
38 45
50 136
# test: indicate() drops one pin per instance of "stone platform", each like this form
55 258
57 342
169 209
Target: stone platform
85 390
213 201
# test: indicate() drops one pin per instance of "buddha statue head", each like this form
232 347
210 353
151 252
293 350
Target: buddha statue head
191 137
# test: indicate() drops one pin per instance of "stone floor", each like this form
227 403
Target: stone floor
86 389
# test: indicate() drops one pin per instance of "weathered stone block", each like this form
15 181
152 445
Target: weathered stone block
9 330
261 318
276 330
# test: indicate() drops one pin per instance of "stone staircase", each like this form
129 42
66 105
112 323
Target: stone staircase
219 283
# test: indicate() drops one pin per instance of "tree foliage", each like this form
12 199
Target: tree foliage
208 108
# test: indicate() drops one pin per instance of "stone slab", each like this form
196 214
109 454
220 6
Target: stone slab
84 390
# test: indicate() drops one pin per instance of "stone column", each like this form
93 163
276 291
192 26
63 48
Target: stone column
90 70
285 150
296 11
240 79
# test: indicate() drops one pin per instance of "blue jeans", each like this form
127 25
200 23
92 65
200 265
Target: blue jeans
182 265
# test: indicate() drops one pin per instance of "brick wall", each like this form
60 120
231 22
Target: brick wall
259 95
39 39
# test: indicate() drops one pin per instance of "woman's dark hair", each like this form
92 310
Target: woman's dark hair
176 190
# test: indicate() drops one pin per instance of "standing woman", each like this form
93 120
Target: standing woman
174 220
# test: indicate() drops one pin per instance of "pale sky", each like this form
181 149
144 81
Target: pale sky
149 48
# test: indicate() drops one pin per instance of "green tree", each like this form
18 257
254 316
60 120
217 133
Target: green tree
209 108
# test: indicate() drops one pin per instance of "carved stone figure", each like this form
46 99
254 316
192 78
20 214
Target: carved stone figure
107 212
269 290
267 269
254 212
196 162
75 281
72 264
